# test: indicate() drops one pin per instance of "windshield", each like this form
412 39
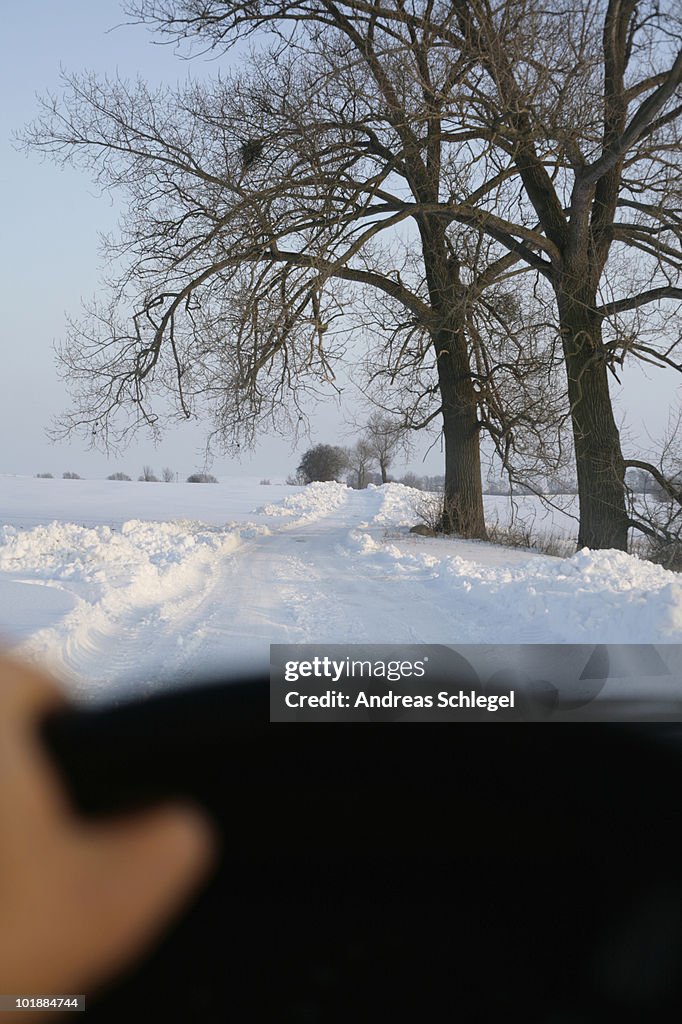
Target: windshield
299 393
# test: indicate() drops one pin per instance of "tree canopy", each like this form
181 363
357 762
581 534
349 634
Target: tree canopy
323 462
466 184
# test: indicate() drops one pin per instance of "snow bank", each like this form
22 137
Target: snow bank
593 597
115 583
400 505
144 552
313 502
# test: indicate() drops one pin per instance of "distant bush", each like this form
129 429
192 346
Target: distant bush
118 476
295 480
70 476
265 483
323 462
148 476
44 476
201 478
168 475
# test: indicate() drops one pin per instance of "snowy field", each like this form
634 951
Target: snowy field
113 581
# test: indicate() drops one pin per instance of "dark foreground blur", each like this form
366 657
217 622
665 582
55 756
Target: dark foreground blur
414 872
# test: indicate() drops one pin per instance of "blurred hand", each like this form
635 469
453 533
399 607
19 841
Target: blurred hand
78 901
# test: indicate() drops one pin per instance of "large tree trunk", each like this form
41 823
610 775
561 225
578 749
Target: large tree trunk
463 499
599 458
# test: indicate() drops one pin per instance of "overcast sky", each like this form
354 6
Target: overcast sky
49 259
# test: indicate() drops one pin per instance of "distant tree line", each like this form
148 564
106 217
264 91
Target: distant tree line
147 475
65 476
368 460
168 476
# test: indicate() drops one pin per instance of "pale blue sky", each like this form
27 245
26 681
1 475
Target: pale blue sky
49 257
50 254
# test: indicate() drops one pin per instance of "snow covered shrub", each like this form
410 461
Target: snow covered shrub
428 507
118 476
201 478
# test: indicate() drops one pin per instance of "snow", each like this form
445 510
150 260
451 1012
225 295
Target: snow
309 503
112 581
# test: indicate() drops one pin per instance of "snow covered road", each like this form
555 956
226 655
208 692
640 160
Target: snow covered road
109 599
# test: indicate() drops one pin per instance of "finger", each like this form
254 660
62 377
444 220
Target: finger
29 787
137 875
25 690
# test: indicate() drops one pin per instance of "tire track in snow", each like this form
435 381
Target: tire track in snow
219 604
134 597
160 602
305 583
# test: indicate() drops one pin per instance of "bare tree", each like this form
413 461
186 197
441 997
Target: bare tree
577 106
167 475
148 476
655 497
360 458
383 438
515 366
365 150
271 209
